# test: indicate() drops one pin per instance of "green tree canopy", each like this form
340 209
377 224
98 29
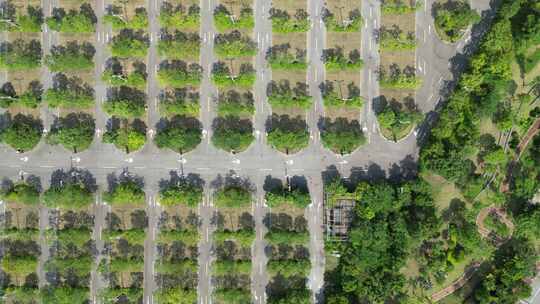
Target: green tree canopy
21 192
181 101
282 57
283 23
452 18
179 17
20 55
352 24
115 74
130 44
335 97
71 57
287 134
11 21
179 74
127 191
233 103
125 102
234 45
179 45
233 197
232 134
225 21
31 98
75 131
82 21
341 135
223 76
69 92
22 133
281 95
127 136
69 195
119 21
181 192
180 134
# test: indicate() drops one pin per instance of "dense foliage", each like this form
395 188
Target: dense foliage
223 76
225 21
21 192
452 18
179 102
179 45
69 92
11 21
115 74
127 191
20 55
130 44
180 134
280 57
334 98
119 21
73 21
232 133
75 131
394 39
234 45
233 197
281 95
396 119
232 103
178 17
181 192
398 7
22 133
396 78
341 135
125 102
179 74
283 23
352 24
335 60
287 134
71 57
295 196
31 98
69 194
126 136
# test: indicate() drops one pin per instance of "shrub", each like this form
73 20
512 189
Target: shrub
232 134
279 58
224 21
342 136
20 55
82 21
222 76
233 197
130 44
179 74
22 133
126 136
180 102
13 22
21 192
125 192
234 45
333 100
69 93
283 23
179 45
72 57
287 134
75 132
281 95
69 195
452 18
125 102
178 18
180 134
233 103
119 22
352 24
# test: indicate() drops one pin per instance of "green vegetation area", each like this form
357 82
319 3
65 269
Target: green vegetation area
225 21
287 134
31 98
452 19
295 196
20 55
130 44
280 57
71 57
233 197
179 102
223 76
179 74
334 98
341 135
281 95
398 7
116 76
183 192
335 60
21 192
394 39
13 21
180 134
396 78
69 92
125 102
179 17
283 23
22 132
73 21
233 103
397 119
352 24
117 18
179 45
125 135
232 133
75 132
126 191
234 45
70 194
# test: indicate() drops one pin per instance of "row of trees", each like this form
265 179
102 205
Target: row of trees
337 24
283 23
179 17
13 21
226 21
118 19
282 57
73 21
